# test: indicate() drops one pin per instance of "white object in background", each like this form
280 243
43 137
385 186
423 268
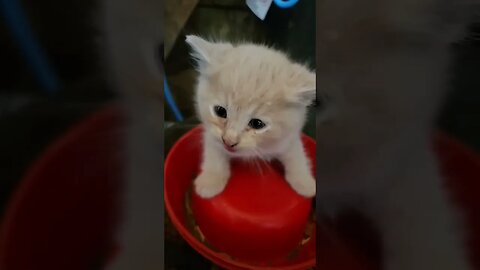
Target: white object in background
259 7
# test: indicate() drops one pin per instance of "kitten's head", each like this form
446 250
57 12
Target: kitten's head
250 98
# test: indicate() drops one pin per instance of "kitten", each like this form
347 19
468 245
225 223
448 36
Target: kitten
383 65
132 40
252 103
380 63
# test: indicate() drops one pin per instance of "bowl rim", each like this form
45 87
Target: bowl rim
217 257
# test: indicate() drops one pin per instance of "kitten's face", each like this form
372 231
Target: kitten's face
251 99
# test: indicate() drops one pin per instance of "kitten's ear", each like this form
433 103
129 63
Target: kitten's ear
205 52
305 88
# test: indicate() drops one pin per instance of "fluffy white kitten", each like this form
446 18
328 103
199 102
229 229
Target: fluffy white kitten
383 65
252 103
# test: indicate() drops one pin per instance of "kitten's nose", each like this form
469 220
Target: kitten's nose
229 142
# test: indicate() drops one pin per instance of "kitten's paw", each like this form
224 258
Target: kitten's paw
304 185
208 185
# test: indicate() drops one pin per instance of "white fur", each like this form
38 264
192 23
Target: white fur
381 65
251 81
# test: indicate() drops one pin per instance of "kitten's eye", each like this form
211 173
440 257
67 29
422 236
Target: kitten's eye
220 111
256 124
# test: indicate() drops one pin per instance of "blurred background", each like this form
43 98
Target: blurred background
34 112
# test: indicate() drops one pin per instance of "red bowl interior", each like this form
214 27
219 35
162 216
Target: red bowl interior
62 214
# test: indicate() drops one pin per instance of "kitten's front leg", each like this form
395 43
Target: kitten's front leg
297 169
215 170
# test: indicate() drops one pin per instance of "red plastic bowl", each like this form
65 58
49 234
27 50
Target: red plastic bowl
258 218
62 215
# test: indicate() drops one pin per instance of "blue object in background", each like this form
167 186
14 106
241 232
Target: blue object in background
34 55
171 101
285 3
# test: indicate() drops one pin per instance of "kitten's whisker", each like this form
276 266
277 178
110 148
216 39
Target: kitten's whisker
260 169
262 156
255 160
263 159
251 161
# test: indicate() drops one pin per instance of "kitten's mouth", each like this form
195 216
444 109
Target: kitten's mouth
228 146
